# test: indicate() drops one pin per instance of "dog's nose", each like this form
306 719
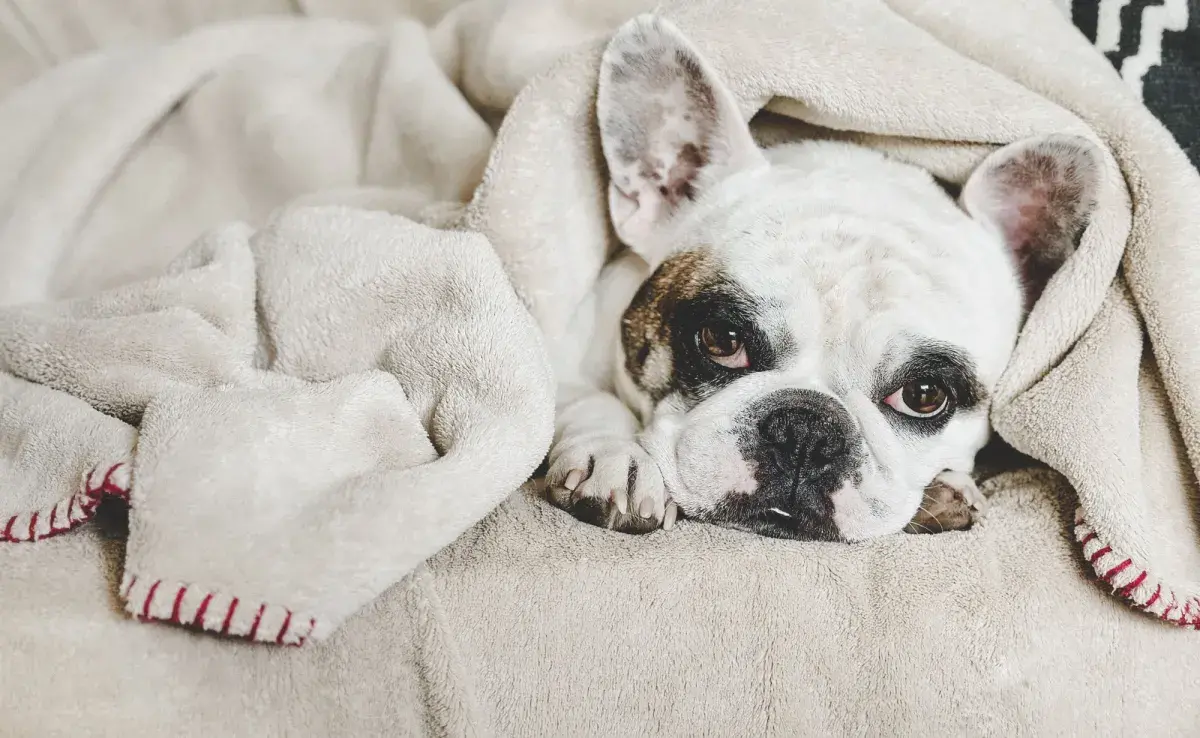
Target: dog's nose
809 434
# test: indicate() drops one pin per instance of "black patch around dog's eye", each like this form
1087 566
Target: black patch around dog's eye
696 376
945 365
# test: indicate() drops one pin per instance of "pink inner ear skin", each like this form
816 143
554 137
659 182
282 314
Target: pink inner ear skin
1039 192
1029 220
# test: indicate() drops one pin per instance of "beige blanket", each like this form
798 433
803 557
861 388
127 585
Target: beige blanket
530 623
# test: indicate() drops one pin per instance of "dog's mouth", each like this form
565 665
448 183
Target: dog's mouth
774 522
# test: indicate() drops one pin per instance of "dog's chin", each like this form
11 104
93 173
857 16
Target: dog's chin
854 519
860 515
776 523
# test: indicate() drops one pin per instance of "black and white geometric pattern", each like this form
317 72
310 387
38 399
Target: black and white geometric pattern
1155 45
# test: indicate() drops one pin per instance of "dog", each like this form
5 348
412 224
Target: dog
797 341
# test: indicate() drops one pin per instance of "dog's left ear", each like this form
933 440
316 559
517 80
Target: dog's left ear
669 129
1038 195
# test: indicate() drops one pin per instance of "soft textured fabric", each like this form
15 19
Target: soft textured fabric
319 404
531 623
308 399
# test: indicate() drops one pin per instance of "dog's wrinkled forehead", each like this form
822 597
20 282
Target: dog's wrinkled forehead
887 254
685 174
816 281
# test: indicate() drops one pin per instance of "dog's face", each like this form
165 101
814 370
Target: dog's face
821 326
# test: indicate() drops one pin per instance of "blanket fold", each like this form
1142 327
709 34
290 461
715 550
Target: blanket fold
836 70
336 377
222 298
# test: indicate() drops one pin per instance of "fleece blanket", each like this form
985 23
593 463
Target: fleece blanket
302 408
320 405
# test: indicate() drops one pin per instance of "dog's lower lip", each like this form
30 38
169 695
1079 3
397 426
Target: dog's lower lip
777 511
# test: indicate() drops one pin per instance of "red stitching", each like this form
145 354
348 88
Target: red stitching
111 487
1189 615
229 616
1124 591
178 602
106 486
199 619
149 597
1154 597
87 498
91 494
257 619
312 623
287 620
1117 570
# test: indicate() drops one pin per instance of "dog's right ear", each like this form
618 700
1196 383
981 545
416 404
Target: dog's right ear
669 129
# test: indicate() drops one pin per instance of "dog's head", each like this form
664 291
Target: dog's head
821 326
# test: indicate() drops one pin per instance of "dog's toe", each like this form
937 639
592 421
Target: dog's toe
620 488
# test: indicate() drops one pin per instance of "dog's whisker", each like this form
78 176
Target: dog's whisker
922 527
927 511
926 528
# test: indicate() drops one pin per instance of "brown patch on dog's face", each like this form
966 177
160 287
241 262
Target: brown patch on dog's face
646 326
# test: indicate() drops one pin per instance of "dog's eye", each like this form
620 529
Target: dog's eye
920 398
724 345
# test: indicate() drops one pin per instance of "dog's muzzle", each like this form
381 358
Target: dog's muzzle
803 446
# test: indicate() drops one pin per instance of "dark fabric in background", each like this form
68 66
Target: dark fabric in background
1170 90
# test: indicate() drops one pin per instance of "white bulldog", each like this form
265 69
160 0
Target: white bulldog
799 340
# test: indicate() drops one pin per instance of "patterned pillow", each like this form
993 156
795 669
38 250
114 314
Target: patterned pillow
1155 44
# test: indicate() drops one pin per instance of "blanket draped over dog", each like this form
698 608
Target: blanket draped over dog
274 283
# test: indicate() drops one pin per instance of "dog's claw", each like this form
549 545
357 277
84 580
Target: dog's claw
670 515
621 500
621 488
646 509
574 477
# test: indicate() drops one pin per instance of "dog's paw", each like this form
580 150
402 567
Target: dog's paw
610 482
952 502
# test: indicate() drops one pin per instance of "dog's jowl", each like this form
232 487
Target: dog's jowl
797 341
